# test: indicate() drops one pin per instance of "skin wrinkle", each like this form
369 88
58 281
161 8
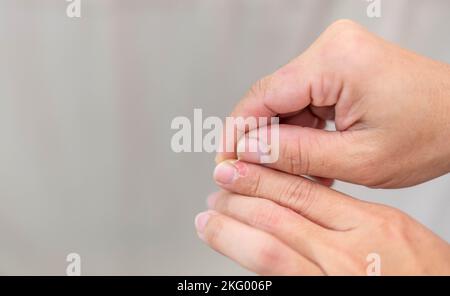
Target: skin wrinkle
257 185
261 92
303 198
382 106
303 159
287 193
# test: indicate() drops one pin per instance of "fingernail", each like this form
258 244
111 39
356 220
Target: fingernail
225 173
252 149
200 221
211 200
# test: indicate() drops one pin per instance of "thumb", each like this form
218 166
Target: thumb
342 155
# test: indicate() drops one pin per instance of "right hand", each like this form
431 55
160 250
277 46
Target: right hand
391 108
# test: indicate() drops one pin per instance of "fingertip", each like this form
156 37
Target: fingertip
225 172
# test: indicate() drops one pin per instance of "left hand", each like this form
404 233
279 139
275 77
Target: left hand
280 224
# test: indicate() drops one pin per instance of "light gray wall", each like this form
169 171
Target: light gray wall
86 107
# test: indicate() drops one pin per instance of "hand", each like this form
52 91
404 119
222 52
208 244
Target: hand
291 225
391 109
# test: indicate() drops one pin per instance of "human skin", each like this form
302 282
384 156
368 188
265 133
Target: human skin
391 108
274 223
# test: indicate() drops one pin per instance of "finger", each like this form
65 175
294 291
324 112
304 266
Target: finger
305 151
322 205
253 249
303 118
291 88
306 118
236 127
297 232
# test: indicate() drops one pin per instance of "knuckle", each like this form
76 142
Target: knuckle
295 156
303 159
222 204
350 43
255 188
392 223
299 196
266 215
292 158
213 230
396 225
326 88
343 25
345 31
267 256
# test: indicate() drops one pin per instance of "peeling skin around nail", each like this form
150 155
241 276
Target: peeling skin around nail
241 168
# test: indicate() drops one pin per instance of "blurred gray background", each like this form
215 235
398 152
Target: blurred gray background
85 112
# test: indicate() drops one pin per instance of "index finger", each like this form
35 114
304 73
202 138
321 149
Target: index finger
283 92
